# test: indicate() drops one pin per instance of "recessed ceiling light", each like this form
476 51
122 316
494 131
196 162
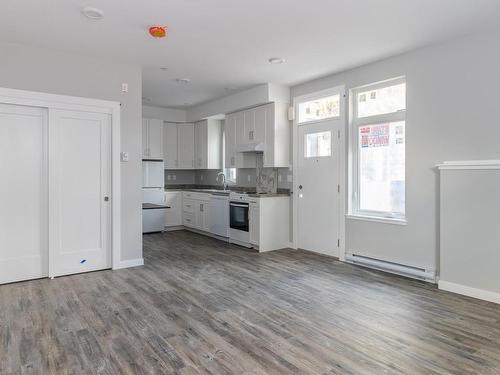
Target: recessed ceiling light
183 80
276 60
163 68
93 13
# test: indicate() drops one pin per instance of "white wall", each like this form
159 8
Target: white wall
35 69
265 93
165 114
452 114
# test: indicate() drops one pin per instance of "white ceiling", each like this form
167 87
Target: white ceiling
223 45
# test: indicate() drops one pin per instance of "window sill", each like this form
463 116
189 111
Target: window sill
377 219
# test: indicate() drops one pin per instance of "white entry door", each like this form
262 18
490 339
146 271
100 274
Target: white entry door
23 193
319 210
80 187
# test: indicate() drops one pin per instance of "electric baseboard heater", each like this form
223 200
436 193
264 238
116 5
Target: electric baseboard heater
399 269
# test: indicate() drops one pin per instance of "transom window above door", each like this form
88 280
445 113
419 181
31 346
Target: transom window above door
319 109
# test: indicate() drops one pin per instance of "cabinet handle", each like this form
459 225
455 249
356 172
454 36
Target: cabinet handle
232 160
250 135
201 207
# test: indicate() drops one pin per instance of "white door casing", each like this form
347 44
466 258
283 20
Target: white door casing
80 190
319 207
23 193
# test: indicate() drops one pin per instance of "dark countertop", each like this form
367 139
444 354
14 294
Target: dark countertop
151 206
217 190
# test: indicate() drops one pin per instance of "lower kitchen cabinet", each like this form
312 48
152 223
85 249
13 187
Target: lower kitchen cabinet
173 216
196 211
269 223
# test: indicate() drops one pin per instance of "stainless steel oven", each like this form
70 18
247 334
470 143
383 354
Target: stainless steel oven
238 216
238 219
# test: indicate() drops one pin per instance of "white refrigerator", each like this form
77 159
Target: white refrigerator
153 200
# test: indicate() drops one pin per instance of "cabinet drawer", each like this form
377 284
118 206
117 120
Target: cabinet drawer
189 206
188 219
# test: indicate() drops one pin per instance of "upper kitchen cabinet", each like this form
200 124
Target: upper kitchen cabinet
277 135
234 136
208 144
170 145
264 129
185 144
152 139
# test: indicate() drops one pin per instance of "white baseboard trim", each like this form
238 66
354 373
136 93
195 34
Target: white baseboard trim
130 263
469 291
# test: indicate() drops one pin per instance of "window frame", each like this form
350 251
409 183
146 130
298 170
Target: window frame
355 123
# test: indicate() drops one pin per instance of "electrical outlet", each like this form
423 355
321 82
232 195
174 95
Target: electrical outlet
201 177
124 156
168 177
174 177
124 87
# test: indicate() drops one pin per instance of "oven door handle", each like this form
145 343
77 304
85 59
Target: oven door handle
239 205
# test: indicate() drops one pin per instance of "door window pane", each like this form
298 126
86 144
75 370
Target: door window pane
381 101
319 109
382 167
318 144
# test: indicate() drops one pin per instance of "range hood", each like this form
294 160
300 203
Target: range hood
250 147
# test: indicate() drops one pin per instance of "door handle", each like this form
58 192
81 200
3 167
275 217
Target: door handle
106 199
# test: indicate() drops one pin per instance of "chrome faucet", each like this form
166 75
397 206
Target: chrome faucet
224 183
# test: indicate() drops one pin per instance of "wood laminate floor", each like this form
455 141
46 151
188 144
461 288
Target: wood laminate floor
202 306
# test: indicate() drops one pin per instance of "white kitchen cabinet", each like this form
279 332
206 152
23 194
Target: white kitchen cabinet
196 210
173 216
170 148
152 139
266 126
277 136
185 139
234 134
269 222
254 221
208 144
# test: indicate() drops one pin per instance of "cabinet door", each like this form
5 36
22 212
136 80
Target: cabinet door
201 144
230 141
249 121
155 139
145 150
170 145
205 216
173 216
260 124
185 133
239 128
253 223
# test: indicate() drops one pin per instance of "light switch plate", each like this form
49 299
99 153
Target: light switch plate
124 156
124 87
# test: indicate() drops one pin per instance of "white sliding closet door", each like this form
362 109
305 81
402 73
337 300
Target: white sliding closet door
23 193
80 184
